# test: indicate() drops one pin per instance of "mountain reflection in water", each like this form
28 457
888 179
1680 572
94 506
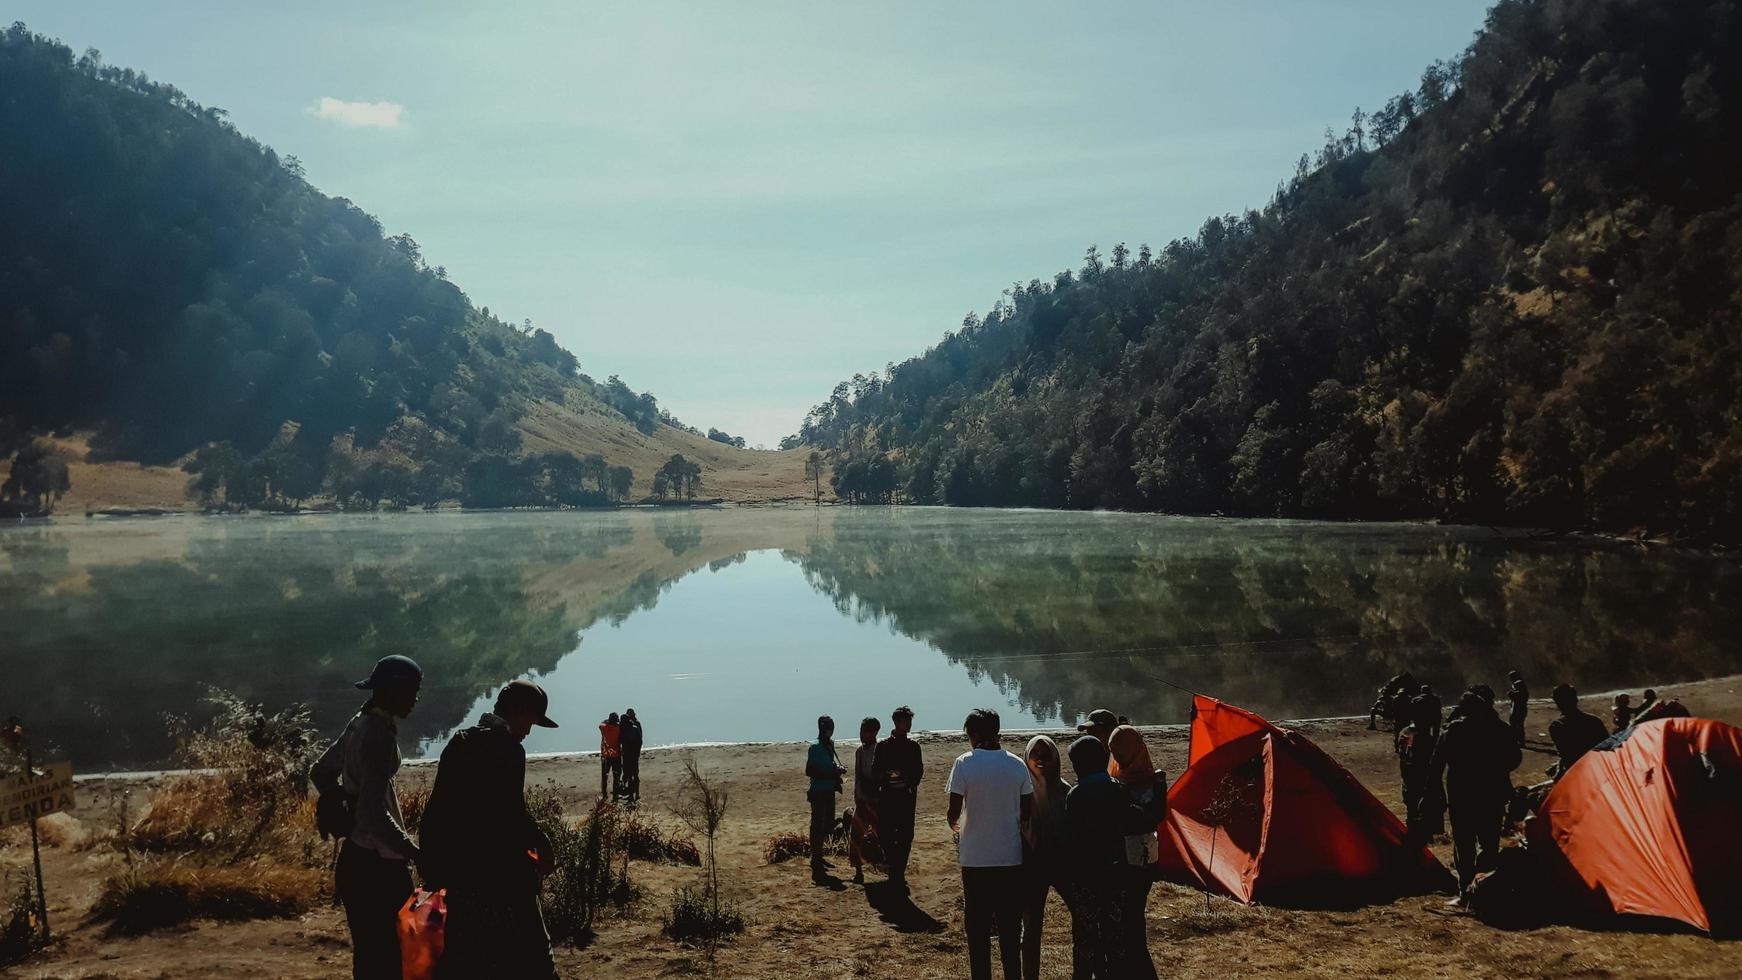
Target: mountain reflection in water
111 625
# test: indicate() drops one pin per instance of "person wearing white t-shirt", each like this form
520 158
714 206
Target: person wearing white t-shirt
991 801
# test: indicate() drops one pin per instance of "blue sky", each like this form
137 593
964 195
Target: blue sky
737 205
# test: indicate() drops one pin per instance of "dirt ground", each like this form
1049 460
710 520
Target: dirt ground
797 929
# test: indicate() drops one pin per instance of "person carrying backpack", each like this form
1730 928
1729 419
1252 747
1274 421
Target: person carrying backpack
359 803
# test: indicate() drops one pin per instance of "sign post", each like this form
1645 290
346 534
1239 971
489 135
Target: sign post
27 798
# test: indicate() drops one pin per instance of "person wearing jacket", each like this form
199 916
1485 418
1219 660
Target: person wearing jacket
900 767
1131 767
373 878
631 740
482 845
1477 753
1100 815
610 756
823 767
1046 863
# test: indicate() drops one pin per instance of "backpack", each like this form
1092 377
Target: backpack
335 809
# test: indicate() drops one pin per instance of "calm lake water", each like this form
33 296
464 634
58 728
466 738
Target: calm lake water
746 624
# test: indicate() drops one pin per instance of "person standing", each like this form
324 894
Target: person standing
899 769
823 767
1520 697
1575 732
1622 715
1047 865
484 847
1146 787
1423 799
1099 814
1100 724
610 756
991 804
864 795
373 878
1477 753
631 740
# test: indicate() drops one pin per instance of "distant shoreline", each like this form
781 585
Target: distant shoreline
936 736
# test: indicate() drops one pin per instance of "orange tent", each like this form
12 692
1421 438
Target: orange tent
1650 827
1263 813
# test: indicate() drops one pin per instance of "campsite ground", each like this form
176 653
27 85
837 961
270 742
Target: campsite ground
799 930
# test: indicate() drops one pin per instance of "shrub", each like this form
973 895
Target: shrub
591 866
786 846
233 841
20 934
697 916
645 841
159 892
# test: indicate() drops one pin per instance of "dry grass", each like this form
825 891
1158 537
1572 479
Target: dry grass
646 841
234 841
161 892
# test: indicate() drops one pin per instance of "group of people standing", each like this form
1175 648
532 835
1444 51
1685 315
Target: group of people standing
1463 767
620 741
1021 832
477 839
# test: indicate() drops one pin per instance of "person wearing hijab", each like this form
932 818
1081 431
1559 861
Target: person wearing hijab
1046 862
1131 767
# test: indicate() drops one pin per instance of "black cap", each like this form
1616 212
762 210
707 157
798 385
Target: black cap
1100 718
390 671
529 695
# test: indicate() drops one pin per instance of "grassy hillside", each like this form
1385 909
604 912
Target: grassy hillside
1510 295
181 296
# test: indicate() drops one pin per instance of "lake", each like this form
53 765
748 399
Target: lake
745 624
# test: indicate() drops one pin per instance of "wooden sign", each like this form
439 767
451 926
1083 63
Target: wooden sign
29 796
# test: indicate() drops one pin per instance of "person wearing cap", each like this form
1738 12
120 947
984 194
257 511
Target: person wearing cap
1100 724
373 878
482 845
899 766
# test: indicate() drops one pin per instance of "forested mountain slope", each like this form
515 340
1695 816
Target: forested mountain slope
174 287
1508 296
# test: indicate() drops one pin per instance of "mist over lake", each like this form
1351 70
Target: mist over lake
745 624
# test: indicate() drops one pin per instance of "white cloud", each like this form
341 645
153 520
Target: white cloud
379 114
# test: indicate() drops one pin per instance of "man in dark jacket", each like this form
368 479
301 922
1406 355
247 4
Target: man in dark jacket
1575 732
899 769
1477 753
1100 815
482 845
631 741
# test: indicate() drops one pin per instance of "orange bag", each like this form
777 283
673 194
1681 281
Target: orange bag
422 928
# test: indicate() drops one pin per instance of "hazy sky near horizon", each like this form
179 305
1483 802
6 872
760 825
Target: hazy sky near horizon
737 205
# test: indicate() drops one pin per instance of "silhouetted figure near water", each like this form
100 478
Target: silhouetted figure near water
1519 695
611 756
1622 716
1575 732
1423 798
1390 701
359 802
484 847
1477 753
631 738
900 767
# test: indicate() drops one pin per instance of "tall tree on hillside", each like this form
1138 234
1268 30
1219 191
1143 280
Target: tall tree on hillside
622 482
813 471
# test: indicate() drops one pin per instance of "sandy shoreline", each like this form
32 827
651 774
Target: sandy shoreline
796 929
